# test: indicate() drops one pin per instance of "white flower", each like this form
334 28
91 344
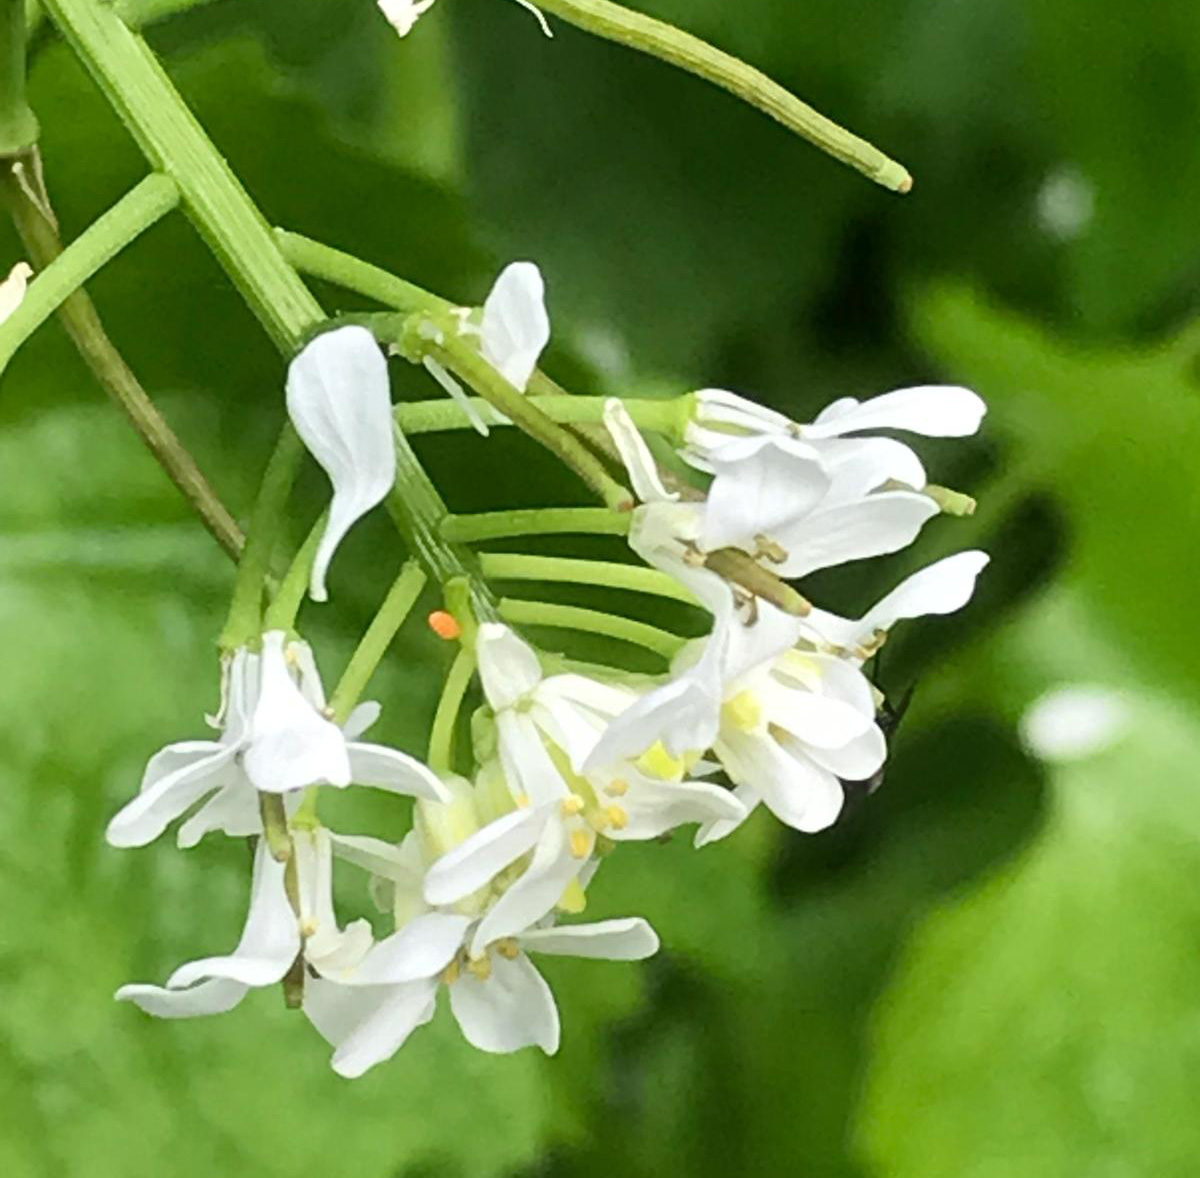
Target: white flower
275 739
402 15
498 997
940 588
339 400
515 327
12 289
547 728
790 732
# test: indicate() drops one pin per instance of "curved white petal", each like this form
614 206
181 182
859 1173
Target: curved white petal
481 857
178 776
797 791
215 996
511 1009
856 760
817 719
508 667
627 938
874 526
233 810
290 745
535 893
939 588
712 832
655 807
635 454
368 1024
761 484
421 949
12 289
571 728
858 466
270 939
515 326
605 699
729 410
390 769
361 718
339 400
402 15
937 411
528 768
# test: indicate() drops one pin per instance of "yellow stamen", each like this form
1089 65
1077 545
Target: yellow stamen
618 788
744 711
658 762
618 817
508 948
523 802
581 844
308 928
450 973
598 820
573 900
481 967
572 804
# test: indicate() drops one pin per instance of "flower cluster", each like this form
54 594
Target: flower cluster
771 707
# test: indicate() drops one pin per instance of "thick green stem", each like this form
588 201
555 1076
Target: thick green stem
509 566
134 213
535 521
18 127
34 220
441 736
396 607
637 31
590 621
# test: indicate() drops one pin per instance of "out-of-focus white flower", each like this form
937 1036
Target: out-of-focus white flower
12 289
275 739
547 728
402 15
940 588
339 400
1074 722
515 327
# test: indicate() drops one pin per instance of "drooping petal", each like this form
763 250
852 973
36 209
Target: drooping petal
481 857
816 719
423 948
655 807
761 485
175 779
516 327
626 939
712 832
798 792
874 526
511 1009
270 939
937 411
339 401
215 996
858 466
360 719
291 745
635 454
508 666
535 893
367 1024
233 810
856 760
390 769
528 767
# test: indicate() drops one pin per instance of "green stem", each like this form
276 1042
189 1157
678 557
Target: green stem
509 566
275 826
590 621
662 416
18 127
34 219
281 614
134 213
637 31
441 736
535 521
373 645
462 359
342 269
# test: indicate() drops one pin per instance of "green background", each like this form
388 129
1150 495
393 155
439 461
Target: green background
992 968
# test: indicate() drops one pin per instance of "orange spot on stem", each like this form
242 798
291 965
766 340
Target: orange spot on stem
445 625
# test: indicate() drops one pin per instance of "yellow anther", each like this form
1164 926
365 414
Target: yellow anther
598 820
618 788
581 844
618 817
572 804
451 972
523 802
508 947
481 967
658 762
764 546
744 711
573 900
308 928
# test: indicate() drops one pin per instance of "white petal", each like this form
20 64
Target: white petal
402 15
817 719
535 893
627 939
761 484
712 832
858 466
508 667
655 807
511 1009
175 779
390 769
376 856
233 810
857 760
528 767
215 996
340 403
606 699
571 728
270 939
874 526
752 643
370 1024
940 588
489 851
516 328
362 718
291 745
635 454
721 408
798 792
12 289
937 411
421 949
